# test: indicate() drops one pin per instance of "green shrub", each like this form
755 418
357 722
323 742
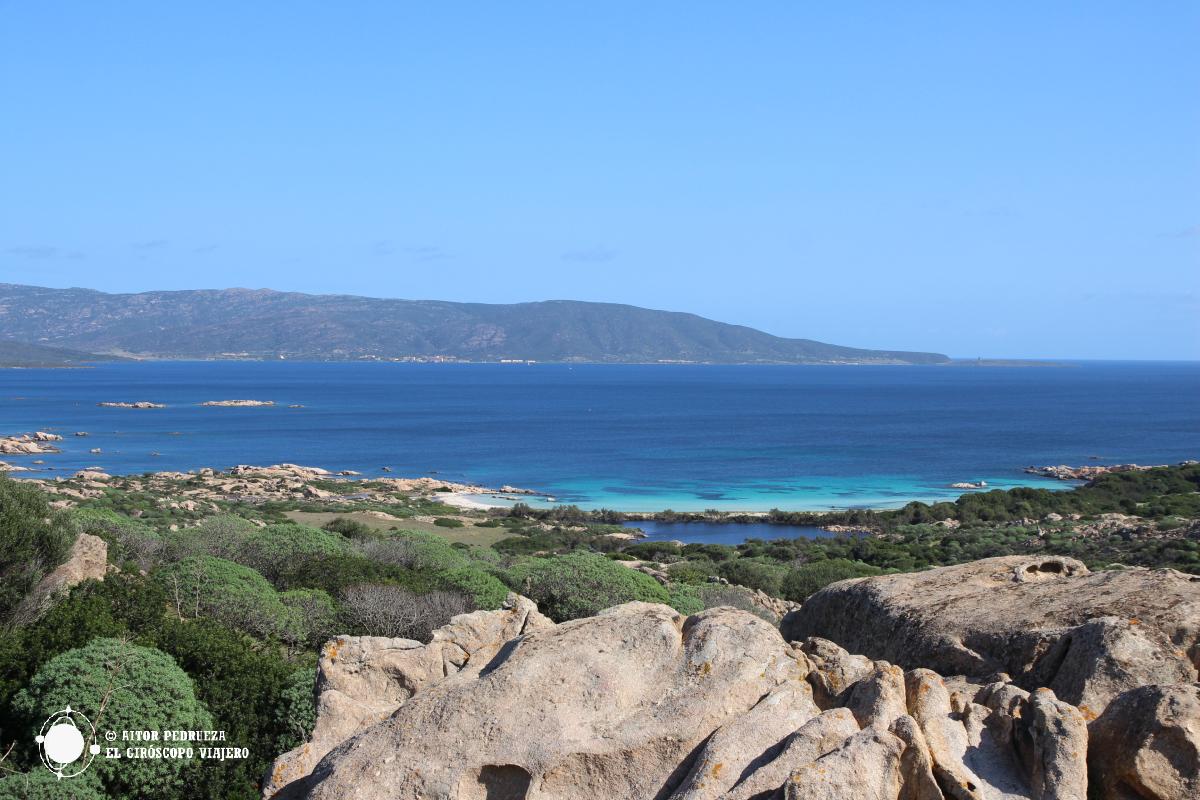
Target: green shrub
448 522
33 541
753 574
119 686
232 593
691 571
336 573
350 528
581 584
686 599
418 551
40 784
808 578
221 535
485 590
269 550
296 712
312 617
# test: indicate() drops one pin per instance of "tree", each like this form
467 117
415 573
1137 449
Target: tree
235 594
33 541
119 686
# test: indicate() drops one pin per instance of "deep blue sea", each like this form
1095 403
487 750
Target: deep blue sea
627 437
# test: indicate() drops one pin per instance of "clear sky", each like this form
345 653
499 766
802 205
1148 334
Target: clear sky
995 179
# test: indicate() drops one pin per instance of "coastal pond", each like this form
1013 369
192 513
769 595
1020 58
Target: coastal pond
730 533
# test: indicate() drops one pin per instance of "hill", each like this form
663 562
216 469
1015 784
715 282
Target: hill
21 354
262 323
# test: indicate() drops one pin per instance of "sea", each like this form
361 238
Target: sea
627 437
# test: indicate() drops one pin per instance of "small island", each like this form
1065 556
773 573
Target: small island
138 404
238 403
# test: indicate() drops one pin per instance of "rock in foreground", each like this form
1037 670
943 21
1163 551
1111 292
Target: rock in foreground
1047 622
641 702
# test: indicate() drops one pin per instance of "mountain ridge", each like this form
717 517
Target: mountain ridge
266 323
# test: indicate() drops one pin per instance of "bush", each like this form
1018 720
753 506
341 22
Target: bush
312 618
350 528
753 574
803 581
240 682
686 599
41 784
485 590
448 522
119 686
716 595
271 549
232 593
33 541
377 610
297 710
221 536
581 584
334 574
691 571
416 550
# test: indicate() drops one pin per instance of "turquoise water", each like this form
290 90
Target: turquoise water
626 437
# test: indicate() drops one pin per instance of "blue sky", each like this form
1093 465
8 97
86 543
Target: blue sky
1003 179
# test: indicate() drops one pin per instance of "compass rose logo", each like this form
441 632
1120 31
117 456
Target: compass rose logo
63 743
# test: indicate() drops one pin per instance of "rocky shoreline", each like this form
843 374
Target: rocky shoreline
201 489
1065 472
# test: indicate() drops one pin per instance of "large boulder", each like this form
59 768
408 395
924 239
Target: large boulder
1047 622
88 560
362 680
1146 745
640 703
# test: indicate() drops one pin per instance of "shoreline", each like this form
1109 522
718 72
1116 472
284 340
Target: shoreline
467 497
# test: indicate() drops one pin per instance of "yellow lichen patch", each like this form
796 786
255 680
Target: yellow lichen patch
332 649
717 767
1088 713
1134 621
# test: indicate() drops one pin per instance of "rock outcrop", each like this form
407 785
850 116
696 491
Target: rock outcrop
1047 622
640 702
238 403
88 560
361 680
29 444
1065 472
136 404
1145 745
